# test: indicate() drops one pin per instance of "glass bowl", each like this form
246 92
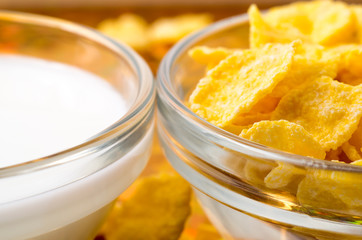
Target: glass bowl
67 195
227 172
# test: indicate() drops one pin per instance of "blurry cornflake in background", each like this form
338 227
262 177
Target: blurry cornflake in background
153 40
135 31
151 27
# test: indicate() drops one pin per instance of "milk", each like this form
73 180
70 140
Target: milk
47 107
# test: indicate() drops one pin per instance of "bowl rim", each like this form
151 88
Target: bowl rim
226 139
141 105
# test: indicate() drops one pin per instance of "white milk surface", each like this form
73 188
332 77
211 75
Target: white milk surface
47 107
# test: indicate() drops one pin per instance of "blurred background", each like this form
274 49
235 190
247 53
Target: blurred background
93 13
97 3
90 12
113 3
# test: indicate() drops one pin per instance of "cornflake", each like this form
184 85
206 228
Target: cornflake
349 63
357 10
285 136
157 209
261 32
209 56
326 189
327 23
333 23
330 111
239 82
309 63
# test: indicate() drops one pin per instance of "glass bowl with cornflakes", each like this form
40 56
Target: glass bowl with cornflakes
261 114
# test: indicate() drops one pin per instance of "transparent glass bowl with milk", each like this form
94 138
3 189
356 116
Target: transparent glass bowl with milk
76 123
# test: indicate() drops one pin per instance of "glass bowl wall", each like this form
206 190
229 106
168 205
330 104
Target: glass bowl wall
68 194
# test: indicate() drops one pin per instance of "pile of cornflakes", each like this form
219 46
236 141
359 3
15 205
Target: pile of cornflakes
297 89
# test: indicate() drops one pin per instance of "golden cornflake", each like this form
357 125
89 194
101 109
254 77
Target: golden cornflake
261 32
261 111
327 23
235 129
330 111
255 171
239 82
285 136
351 152
283 176
356 139
336 190
209 56
309 63
265 105
351 58
251 118
334 23
156 210
349 63
292 17
318 191
357 10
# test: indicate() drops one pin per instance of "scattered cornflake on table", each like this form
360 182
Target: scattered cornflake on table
156 210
